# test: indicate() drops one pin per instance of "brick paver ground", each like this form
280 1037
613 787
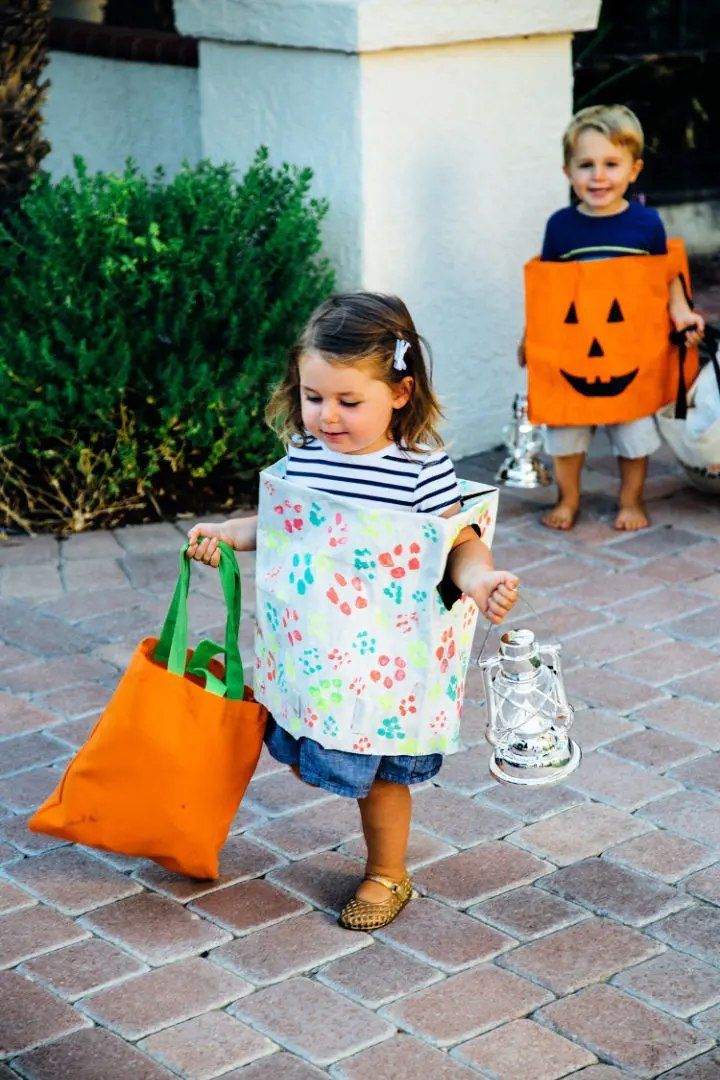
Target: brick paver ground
572 931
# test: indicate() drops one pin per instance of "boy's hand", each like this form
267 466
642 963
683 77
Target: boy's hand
495 592
521 357
685 319
682 315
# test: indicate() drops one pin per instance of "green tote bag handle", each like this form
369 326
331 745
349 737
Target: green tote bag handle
171 648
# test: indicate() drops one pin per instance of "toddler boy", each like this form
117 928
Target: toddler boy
602 149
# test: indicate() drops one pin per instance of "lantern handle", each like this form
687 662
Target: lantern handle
479 660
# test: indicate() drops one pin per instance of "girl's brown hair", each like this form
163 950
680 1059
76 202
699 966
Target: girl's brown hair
362 327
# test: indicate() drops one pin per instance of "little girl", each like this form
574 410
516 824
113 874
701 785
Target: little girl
360 420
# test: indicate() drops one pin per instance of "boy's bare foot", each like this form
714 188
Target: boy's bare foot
631 518
562 516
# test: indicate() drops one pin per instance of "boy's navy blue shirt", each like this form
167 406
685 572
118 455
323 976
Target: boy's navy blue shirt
573 236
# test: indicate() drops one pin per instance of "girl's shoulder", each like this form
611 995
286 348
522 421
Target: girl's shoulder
436 486
425 456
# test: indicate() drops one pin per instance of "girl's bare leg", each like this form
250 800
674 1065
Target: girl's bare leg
386 812
631 515
567 474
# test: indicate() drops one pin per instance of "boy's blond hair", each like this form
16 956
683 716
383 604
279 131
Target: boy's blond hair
616 122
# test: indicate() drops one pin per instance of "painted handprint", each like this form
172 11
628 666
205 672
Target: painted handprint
316 515
391 728
290 513
440 721
347 595
310 718
405 624
337 531
364 643
310 661
326 694
301 575
446 650
291 616
330 727
407 706
400 560
393 671
363 560
339 659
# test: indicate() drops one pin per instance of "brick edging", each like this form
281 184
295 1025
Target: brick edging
122 43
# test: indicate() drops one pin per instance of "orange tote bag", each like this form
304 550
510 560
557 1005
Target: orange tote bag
164 769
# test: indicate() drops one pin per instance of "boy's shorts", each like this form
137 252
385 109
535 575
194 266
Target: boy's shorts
636 439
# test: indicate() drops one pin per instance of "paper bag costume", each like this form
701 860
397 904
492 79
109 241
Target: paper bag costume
355 647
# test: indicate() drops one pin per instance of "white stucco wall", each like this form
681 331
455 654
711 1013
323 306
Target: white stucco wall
440 166
305 113
109 110
461 167
365 25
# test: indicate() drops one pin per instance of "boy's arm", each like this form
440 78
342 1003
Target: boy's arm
521 357
682 315
203 538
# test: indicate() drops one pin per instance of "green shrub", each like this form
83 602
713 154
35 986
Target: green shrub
142 323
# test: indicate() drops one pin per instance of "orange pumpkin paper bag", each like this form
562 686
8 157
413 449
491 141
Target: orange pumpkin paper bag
165 767
597 340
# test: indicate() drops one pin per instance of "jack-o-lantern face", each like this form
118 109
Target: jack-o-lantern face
597 338
611 385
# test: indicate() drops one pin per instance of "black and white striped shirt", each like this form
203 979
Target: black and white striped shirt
404 479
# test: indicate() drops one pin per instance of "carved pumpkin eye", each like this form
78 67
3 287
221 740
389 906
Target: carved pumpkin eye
616 314
571 316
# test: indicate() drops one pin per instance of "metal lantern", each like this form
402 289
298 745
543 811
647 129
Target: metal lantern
528 712
522 468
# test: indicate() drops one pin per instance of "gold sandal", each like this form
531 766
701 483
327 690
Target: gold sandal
363 915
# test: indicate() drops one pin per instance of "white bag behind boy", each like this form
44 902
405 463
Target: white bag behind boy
695 439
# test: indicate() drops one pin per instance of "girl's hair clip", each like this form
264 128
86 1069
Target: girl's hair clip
401 347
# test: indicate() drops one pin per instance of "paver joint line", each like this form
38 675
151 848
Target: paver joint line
550 919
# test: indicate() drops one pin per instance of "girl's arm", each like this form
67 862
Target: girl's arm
472 571
682 314
471 568
203 538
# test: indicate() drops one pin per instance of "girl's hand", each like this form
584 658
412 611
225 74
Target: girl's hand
521 357
683 318
495 592
203 540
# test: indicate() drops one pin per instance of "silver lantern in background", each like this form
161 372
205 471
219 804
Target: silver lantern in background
528 712
522 468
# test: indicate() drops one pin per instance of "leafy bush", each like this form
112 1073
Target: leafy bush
142 323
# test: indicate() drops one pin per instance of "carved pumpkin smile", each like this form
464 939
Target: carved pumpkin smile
610 387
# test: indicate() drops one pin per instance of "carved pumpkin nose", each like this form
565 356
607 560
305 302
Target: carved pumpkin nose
596 348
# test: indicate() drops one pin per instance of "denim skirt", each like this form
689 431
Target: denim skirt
342 772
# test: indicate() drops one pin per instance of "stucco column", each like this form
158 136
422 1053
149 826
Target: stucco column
433 128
